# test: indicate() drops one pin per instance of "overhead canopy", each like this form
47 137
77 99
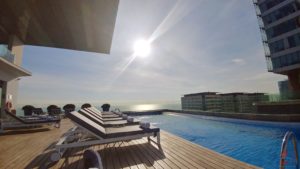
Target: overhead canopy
85 25
10 71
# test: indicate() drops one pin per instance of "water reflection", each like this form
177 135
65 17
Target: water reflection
141 107
145 107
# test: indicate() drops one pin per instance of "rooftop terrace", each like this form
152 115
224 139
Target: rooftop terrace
32 148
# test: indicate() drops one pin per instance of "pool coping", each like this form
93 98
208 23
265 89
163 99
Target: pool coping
244 116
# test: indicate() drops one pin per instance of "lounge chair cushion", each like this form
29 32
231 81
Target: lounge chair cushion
34 119
128 131
108 132
99 121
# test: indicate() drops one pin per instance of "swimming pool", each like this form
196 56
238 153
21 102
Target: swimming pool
253 142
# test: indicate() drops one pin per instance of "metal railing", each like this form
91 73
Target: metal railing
6 54
283 154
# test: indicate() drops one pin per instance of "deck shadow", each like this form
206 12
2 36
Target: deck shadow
24 131
41 161
50 146
144 153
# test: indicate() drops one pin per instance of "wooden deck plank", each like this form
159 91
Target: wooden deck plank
180 157
161 155
137 153
225 160
134 157
22 149
124 153
146 147
118 161
197 158
109 159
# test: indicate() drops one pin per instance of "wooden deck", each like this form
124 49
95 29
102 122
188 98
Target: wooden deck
31 149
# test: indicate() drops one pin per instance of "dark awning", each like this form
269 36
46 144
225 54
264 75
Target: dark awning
85 25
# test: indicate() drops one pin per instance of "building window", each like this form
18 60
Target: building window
282 28
276 46
280 13
286 60
294 40
268 4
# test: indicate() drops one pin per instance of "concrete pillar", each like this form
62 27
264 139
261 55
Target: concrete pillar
294 81
3 99
16 47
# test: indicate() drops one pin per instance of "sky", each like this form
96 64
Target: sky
197 46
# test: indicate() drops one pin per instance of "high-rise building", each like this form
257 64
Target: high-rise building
241 102
279 22
228 102
207 101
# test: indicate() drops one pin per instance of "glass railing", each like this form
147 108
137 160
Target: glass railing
6 54
269 63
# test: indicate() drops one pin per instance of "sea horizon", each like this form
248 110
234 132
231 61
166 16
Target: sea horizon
127 107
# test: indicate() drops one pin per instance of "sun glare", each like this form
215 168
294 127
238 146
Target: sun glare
142 48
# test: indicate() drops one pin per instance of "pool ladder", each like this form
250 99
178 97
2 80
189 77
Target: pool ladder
288 135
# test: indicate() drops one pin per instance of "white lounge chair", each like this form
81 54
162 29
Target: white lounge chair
100 121
12 121
88 133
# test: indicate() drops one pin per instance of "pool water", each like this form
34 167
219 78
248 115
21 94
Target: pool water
253 142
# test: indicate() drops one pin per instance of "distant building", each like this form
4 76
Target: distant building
207 101
280 29
227 102
241 102
285 90
252 99
230 102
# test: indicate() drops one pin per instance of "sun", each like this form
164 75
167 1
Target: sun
142 48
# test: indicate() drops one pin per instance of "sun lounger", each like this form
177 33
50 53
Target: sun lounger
14 121
98 114
99 121
88 133
104 114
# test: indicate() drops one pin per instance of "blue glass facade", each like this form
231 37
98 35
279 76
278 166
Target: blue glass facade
276 46
268 4
282 28
280 13
294 40
286 60
281 25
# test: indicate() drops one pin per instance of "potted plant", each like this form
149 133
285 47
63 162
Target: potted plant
69 107
105 107
28 110
86 105
49 108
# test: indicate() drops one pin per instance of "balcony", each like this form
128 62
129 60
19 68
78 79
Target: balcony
8 70
6 54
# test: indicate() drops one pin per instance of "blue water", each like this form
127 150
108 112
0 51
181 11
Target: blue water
253 142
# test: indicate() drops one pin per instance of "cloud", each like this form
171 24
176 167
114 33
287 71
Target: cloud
197 50
238 61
